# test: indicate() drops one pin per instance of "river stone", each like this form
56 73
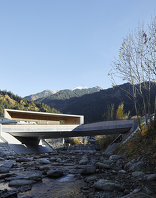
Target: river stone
54 173
20 182
6 166
52 159
83 161
102 165
122 171
114 157
137 166
137 174
23 159
150 177
4 169
43 161
59 160
88 170
35 177
8 193
44 167
107 185
91 178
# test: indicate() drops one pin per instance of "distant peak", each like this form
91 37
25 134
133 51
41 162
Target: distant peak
80 87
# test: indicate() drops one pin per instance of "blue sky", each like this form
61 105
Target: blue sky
59 44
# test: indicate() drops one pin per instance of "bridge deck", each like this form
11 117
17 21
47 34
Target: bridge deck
57 131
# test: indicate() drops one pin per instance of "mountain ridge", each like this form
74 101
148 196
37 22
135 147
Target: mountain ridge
64 93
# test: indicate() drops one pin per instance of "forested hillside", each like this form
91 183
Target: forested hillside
62 94
102 105
11 101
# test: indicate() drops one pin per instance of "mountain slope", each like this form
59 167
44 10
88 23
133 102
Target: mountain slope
62 94
10 101
95 106
42 94
67 93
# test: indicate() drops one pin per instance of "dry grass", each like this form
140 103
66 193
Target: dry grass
141 144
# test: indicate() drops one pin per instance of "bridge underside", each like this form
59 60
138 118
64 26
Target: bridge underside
64 134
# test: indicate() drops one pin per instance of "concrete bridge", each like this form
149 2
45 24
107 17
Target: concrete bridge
31 134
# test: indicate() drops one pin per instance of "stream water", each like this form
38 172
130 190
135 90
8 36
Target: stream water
65 187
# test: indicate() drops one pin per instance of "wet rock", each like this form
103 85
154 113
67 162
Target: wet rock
20 182
54 173
115 157
150 177
43 161
88 170
102 165
107 185
137 174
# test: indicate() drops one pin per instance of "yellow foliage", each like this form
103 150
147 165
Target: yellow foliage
144 130
77 140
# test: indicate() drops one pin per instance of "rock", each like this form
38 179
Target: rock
138 174
59 160
122 171
107 185
150 177
88 170
35 177
137 166
22 159
4 169
83 161
43 168
6 166
102 165
20 182
137 195
54 173
43 161
52 159
115 157
8 193
91 178
5 175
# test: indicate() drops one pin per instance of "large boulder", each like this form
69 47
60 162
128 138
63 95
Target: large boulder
54 173
107 185
88 170
20 182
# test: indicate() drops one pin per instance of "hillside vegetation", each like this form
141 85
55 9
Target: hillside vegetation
10 101
62 94
101 105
